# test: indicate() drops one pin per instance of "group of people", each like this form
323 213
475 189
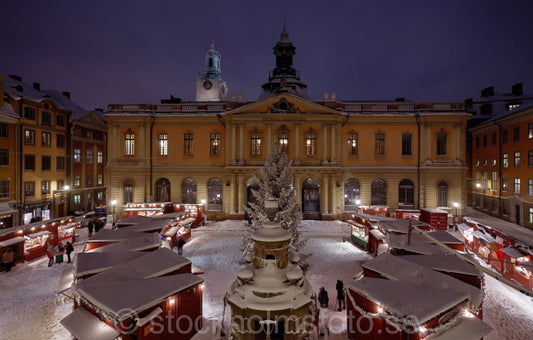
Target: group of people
95 225
323 298
51 253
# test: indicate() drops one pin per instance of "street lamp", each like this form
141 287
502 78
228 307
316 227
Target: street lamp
455 205
67 188
113 204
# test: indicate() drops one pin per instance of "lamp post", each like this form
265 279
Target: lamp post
67 189
113 204
455 205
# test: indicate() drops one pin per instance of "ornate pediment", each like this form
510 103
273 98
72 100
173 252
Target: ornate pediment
283 106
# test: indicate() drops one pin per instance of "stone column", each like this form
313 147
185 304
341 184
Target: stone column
297 140
233 193
233 155
324 144
268 139
333 158
242 142
332 201
324 193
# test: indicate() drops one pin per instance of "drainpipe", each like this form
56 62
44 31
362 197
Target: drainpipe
151 165
417 116
499 169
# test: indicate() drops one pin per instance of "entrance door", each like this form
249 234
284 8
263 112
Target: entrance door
311 196
517 212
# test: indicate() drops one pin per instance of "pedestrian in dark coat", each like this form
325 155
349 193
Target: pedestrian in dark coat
90 227
340 295
181 243
7 259
323 298
69 250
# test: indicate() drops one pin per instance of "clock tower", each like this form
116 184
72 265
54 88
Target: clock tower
210 87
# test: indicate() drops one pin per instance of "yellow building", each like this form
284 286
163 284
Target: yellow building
396 154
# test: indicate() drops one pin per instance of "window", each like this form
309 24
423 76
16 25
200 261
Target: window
100 195
484 140
188 144
128 192
494 180
29 137
89 156
60 120
406 144
100 157
162 190
505 136
89 180
255 143
45 188
214 144
406 193
46 163
351 194
478 179
46 139
516 185
283 139
353 143
29 162
517 159
129 144
379 143
378 192
477 142
60 184
60 141
4 188
4 157
530 131
4 130
485 179
442 137
214 194
530 158
505 184
162 144
516 134
29 189
60 163
188 191
77 199
530 186
310 143
77 180
29 113
77 155
442 194
505 160
494 139
46 118
530 215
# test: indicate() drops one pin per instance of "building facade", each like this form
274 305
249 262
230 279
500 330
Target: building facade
393 154
502 166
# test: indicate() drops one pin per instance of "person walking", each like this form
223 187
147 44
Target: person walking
69 250
181 243
7 259
90 228
340 295
323 298
50 254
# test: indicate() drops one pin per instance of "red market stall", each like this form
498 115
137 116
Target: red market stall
518 266
149 209
438 219
194 210
17 245
177 230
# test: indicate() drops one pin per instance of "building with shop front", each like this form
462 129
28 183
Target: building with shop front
502 166
344 154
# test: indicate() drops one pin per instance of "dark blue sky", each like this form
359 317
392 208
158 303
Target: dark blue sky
111 51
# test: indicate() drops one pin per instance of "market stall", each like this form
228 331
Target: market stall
17 245
359 234
148 209
179 229
36 244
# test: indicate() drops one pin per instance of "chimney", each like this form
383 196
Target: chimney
14 76
66 94
517 89
37 86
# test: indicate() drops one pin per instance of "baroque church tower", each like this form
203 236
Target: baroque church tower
210 86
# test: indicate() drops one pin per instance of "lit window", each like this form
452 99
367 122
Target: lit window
77 180
494 181
283 139
310 143
255 143
100 179
214 143
129 143
29 137
188 144
505 160
46 139
162 144
517 159
517 185
77 155
77 199
100 157
45 188
379 143
353 143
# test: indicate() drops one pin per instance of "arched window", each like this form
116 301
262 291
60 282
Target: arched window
162 190
128 192
406 194
443 194
379 192
188 191
351 194
214 194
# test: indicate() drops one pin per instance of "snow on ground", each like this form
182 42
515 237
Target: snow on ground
30 308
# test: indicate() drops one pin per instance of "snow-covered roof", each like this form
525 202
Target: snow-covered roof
401 225
418 244
84 325
96 262
148 226
512 252
445 237
465 329
397 268
113 235
137 284
271 290
139 242
271 232
409 298
65 102
483 236
135 219
12 241
444 263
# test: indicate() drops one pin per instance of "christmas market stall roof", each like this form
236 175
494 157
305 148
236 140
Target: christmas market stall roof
144 224
414 243
96 262
138 242
84 325
401 225
137 285
397 268
446 262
